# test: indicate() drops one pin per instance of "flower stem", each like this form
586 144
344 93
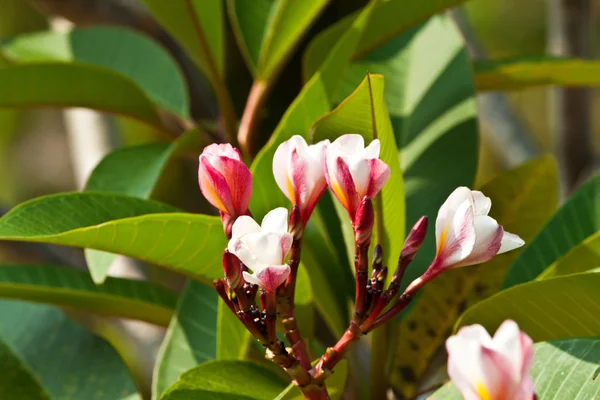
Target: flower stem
250 118
361 267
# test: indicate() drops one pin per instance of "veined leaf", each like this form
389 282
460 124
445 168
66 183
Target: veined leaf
365 112
390 18
59 85
187 243
522 201
131 54
522 73
58 352
267 31
562 369
582 258
550 309
191 338
577 219
227 380
68 287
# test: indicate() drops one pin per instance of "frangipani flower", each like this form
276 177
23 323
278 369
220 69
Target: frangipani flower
224 179
298 171
483 368
263 248
353 171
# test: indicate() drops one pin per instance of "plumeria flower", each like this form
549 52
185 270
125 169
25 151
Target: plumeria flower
224 179
263 248
298 171
354 171
485 368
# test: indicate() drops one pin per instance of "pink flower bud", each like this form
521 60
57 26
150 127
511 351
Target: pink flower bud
485 368
353 171
224 179
363 222
298 171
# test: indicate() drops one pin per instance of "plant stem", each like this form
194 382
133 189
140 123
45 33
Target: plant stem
361 268
250 118
379 351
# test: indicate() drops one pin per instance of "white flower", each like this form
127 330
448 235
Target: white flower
483 368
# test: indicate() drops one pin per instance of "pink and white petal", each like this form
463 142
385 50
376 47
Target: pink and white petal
482 204
475 333
507 341
214 187
343 187
448 209
527 389
250 278
360 171
223 149
243 253
281 161
498 380
457 238
372 150
380 172
276 221
488 237
244 225
239 181
350 143
464 365
526 352
271 277
301 185
510 241
299 144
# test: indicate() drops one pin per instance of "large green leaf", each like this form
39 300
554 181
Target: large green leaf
577 219
550 309
582 258
187 243
191 338
522 201
73 288
17 382
335 385
365 112
390 18
70 362
523 73
562 369
129 53
269 30
60 85
226 380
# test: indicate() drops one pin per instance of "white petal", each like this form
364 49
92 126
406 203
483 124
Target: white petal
281 171
448 209
510 241
483 204
315 173
266 247
350 143
457 237
361 174
299 143
488 235
216 162
250 278
477 333
242 226
243 252
507 341
465 366
372 150
275 221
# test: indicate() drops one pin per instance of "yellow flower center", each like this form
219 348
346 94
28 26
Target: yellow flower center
482 392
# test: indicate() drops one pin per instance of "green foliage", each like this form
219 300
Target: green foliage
562 369
17 382
584 257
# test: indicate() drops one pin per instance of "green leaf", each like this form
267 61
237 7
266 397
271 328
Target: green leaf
143 229
584 257
390 18
268 31
523 73
144 165
365 112
191 338
70 362
68 287
562 369
59 85
131 54
577 219
550 309
522 201
198 27
335 385
226 380
233 338
17 382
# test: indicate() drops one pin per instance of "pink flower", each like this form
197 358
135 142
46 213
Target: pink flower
263 248
298 171
483 368
224 179
353 171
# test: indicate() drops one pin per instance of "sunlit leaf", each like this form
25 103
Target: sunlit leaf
582 258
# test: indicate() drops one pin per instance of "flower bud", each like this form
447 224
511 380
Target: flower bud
414 240
363 222
353 171
224 179
233 270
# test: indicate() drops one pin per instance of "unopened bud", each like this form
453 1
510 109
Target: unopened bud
363 222
377 255
295 223
233 270
415 239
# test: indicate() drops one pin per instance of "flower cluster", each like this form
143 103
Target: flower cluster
267 256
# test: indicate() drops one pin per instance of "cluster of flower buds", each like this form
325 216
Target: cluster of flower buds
255 257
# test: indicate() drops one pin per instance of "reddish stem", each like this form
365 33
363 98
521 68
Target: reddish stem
361 268
335 354
251 116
